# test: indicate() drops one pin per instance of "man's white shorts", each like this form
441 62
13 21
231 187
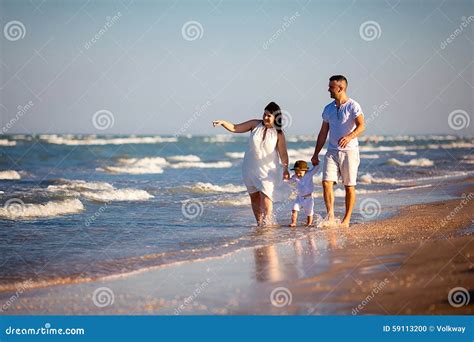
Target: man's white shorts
306 203
341 164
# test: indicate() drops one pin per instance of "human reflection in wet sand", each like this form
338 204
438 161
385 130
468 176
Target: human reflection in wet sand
308 257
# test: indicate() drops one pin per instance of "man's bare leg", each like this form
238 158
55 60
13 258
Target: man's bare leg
309 220
256 207
350 201
328 192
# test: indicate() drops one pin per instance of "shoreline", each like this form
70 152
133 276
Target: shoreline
326 272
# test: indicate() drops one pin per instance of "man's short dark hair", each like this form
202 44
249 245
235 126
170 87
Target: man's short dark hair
338 78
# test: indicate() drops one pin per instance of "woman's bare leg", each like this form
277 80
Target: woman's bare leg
256 207
267 208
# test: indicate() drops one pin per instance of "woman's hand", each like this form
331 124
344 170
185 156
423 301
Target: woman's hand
217 123
286 174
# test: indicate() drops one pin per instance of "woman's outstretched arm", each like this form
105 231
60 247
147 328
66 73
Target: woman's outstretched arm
237 128
283 152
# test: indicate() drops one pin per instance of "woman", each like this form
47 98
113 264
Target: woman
261 168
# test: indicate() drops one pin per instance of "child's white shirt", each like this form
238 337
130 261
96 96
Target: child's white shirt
304 185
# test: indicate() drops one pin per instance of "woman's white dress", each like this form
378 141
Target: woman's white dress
261 168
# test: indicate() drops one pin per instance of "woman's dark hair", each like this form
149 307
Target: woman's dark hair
275 110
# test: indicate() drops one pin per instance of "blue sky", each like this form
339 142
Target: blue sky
154 78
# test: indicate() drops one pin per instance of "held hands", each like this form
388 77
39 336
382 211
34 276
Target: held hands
286 174
344 141
315 160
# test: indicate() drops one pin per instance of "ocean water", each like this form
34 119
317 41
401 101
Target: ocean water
74 208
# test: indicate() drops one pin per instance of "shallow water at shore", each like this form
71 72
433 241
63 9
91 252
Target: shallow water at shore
101 206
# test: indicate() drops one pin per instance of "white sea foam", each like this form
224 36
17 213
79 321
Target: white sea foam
132 170
407 153
457 145
155 165
301 138
201 165
423 162
189 158
137 166
369 156
220 138
117 195
369 179
208 187
9 174
370 148
148 161
18 211
92 140
98 191
235 155
79 185
409 138
6 142
242 200
304 153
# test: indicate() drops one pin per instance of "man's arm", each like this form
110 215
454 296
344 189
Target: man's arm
360 128
322 136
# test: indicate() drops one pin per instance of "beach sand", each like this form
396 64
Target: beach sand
404 264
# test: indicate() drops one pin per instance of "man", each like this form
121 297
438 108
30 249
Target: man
344 121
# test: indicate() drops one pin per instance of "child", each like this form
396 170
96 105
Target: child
303 178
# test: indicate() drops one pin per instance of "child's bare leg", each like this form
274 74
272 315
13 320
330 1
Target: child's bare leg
294 218
256 207
309 220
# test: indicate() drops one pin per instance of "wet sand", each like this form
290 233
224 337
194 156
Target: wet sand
405 264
